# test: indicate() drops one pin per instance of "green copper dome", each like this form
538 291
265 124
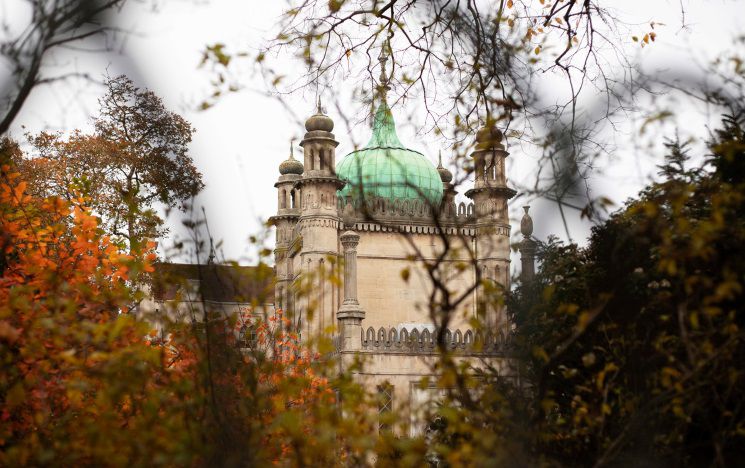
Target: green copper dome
385 168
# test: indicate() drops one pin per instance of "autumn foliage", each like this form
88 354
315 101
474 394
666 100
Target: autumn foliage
77 378
86 381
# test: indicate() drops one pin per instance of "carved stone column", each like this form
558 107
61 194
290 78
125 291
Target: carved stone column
527 247
350 314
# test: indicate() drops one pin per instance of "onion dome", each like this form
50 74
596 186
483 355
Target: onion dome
489 136
386 168
526 224
445 175
291 165
319 121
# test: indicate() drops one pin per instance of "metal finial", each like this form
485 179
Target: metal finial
383 58
439 160
319 104
292 151
526 224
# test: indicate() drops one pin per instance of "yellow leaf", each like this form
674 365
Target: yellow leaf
538 50
694 320
583 320
540 353
588 359
335 5
509 3
405 273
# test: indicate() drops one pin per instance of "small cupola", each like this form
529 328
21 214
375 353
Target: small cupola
319 121
291 165
445 175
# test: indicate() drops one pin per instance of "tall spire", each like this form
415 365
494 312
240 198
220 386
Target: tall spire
384 86
318 109
439 159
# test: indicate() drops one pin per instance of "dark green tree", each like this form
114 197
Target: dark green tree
633 345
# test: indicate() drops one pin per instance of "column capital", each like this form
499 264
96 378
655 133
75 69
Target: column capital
350 312
349 239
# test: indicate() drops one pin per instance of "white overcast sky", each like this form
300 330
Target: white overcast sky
240 141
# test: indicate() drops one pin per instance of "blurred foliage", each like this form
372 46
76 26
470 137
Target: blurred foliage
35 30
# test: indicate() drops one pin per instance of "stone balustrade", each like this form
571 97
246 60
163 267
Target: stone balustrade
392 340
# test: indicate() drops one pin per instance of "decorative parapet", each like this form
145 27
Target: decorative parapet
413 228
392 340
379 208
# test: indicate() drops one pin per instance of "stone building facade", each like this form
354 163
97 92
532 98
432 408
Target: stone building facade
368 245
374 250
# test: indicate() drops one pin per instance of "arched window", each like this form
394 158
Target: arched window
292 199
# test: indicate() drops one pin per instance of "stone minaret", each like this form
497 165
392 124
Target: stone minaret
490 194
318 224
288 212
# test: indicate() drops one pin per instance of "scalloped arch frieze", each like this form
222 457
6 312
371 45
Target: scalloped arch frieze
469 342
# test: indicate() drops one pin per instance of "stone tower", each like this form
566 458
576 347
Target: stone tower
490 194
318 227
288 212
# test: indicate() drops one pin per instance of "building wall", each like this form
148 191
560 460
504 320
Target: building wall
390 300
